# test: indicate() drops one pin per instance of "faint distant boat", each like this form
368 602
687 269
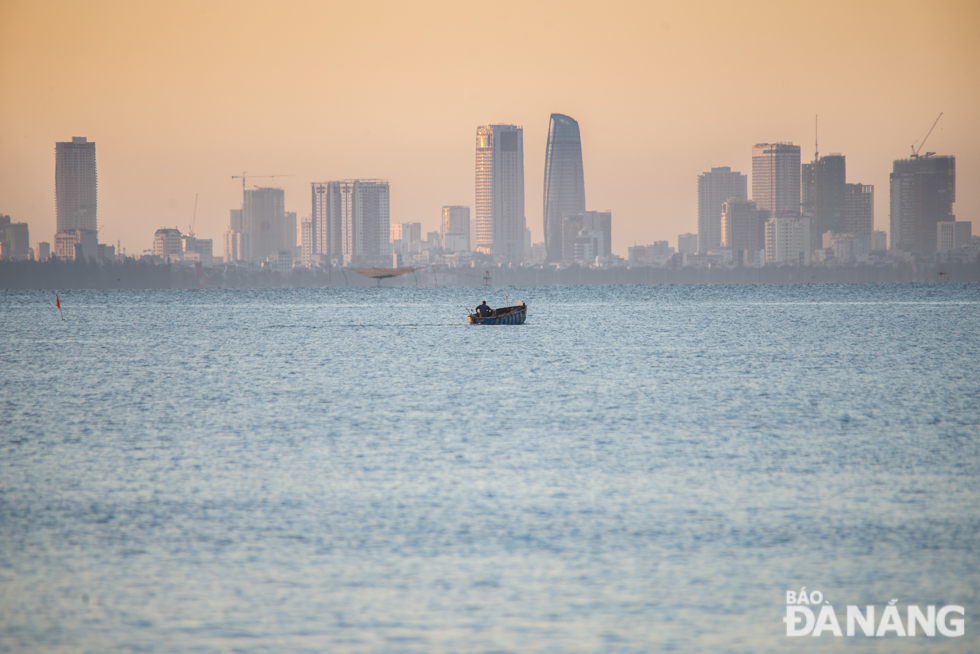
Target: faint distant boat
504 316
385 273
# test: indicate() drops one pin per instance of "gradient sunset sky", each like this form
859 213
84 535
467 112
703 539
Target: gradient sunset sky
180 96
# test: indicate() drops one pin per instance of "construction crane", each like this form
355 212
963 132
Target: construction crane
915 150
244 175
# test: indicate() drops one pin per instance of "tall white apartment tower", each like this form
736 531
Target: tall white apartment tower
776 178
351 222
500 221
325 221
365 221
76 184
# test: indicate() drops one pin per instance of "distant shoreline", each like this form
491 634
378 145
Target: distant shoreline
132 274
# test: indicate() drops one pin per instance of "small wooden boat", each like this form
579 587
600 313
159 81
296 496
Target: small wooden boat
503 316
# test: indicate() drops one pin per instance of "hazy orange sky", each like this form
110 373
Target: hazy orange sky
179 96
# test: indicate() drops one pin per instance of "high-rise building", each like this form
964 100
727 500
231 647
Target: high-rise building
76 186
289 232
15 239
859 210
788 240
325 222
168 244
587 221
808 188
500 221
539 253
952 234
42 250
714 188
456 228
365 222
589 245
76 244
107 252
922 190
879 240
601 221
845 247
743 226
407 232
351 221
264 218
570 228
198 249
822 196
306 256
5 245
688 243
776 178
564 180
236 246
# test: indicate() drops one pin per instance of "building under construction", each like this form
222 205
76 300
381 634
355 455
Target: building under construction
922 190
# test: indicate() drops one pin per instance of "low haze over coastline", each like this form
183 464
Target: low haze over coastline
181 96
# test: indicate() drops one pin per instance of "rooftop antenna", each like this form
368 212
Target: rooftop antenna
194 220
816 134
915 150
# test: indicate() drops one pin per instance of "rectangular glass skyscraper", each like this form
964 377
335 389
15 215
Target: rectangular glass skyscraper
822 196
923 190
714 188
859 210
564 181
76 185
776 178
500 221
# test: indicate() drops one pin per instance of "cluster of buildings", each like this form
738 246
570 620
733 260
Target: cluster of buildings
808 214
170 246
76 203
799 214
350 220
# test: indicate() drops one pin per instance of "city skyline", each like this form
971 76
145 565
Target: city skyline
648 127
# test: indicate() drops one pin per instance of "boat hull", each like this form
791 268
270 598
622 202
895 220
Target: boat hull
513 316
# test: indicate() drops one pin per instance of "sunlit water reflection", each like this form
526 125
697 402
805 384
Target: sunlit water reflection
634 469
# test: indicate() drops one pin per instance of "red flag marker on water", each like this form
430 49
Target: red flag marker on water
57 303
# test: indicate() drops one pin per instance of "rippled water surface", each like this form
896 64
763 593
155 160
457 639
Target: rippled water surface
634 469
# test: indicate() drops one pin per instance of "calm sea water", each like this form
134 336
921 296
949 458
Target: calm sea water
635 469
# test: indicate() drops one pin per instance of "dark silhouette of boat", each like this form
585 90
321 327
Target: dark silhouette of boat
515 315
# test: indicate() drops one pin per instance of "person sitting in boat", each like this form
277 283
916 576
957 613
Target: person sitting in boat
484 310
